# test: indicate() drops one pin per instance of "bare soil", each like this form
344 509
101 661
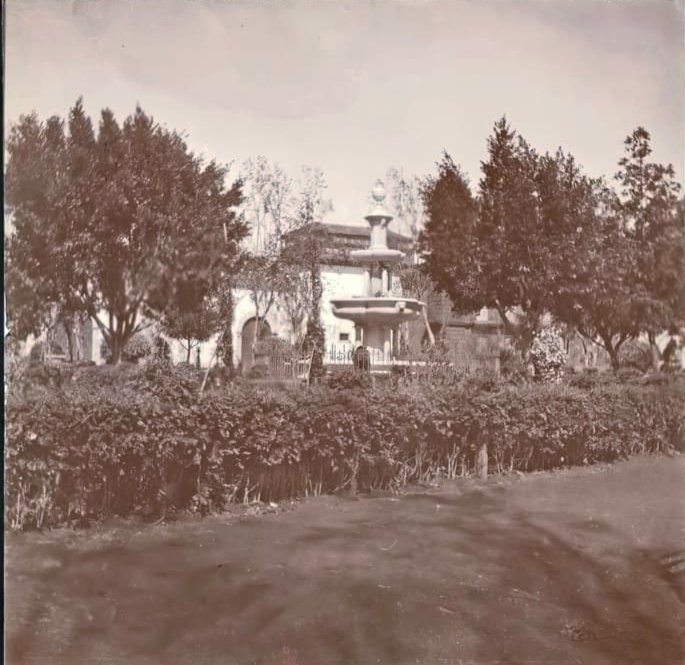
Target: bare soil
581 566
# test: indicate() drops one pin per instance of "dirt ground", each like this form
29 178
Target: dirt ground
582 566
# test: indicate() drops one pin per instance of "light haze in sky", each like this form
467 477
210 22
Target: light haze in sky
357 87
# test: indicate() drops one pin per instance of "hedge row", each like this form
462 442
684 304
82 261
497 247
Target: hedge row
88 453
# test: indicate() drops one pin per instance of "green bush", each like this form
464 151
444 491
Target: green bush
512 367
349 379
636 354
548 354
139 347
146 445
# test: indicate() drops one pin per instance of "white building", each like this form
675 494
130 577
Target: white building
340 276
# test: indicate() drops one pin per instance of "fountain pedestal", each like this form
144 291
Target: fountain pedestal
378 312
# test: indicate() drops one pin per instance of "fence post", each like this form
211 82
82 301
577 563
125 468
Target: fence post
477 436
482 461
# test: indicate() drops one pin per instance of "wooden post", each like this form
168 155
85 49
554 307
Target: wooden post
478 437
482 461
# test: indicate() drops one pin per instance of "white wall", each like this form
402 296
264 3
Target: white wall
339 281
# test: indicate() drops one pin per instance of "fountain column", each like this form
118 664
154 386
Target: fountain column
384 281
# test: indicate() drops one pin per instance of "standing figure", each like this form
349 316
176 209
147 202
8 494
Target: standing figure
361 359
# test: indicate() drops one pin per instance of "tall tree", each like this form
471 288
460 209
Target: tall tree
406 202
595 294
304 251
653 220
510 249
512 243
116 222
193 321
295 300
286 244
268 210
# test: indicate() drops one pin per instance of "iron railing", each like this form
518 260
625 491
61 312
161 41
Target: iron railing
292 365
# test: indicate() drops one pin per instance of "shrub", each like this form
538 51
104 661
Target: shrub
349 379
486 380
141 346
548 354
636 354
38 350
258 371
512 367
149 446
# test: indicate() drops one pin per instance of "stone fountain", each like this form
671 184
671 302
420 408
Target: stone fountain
378 312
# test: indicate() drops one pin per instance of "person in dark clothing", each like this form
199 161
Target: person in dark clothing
361 360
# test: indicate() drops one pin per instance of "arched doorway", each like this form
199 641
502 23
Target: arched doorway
247 338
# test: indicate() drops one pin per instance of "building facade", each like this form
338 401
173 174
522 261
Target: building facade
476 338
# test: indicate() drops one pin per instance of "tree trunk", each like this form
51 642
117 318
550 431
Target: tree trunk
188 349
77 336
431 336
225 343
68 329
613 355
116 348
314 339
255 338
482 461
72 327
119 337
656 353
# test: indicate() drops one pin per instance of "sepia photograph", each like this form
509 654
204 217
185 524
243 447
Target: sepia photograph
344 332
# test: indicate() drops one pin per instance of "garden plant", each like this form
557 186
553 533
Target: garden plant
137 440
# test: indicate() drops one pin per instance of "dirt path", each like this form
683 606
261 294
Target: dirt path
584 566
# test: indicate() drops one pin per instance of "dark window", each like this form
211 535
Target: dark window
344 337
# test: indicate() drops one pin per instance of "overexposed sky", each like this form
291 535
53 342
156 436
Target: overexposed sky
356 87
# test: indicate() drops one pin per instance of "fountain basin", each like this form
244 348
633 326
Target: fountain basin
382 310
380 254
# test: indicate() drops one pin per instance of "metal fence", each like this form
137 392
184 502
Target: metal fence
285 365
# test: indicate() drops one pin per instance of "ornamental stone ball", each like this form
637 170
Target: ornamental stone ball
378 192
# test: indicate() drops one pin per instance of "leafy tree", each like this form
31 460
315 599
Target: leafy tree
303 250
451 212
510 242
295 300
653 222
225 307
597 296
516 246
267 204
418 284
406 202
286 247
268 210
623 273
193 324
119 221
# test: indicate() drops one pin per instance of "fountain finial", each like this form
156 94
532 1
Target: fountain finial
378 192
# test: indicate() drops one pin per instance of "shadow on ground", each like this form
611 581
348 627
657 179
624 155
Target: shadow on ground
581 568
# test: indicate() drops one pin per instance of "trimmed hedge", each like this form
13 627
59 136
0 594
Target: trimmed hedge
87 452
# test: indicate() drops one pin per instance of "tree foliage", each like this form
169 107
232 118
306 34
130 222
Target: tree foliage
193 325
542 238
597 296
652 217
286 247
625 274
117 223
406 202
